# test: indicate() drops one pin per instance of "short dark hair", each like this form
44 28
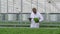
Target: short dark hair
33 8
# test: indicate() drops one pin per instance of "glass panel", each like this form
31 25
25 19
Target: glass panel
3 6
41 6
34 3
10 6
26 6
17 6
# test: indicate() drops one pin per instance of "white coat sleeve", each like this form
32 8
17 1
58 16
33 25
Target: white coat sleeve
41 17
31 16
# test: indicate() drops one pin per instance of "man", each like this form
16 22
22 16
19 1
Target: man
33 15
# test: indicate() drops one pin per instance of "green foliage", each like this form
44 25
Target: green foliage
36 20
29 31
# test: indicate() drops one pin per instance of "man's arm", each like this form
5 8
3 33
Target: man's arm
41 18
31 16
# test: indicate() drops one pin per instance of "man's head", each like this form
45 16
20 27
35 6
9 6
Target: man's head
34 10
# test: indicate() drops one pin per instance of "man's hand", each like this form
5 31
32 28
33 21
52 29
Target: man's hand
29 19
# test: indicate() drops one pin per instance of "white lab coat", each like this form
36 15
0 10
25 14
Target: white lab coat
37 15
